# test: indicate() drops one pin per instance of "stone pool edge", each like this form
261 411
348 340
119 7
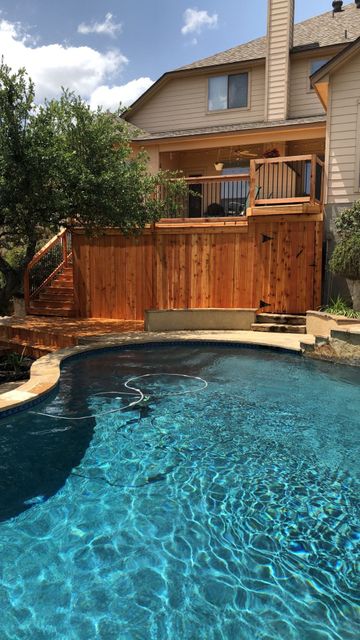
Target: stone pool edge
45 372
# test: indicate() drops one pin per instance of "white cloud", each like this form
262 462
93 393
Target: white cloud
108 27
80 69
111 97
195 21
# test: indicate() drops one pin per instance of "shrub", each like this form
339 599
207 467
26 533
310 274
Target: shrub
345 261
339 307
348 221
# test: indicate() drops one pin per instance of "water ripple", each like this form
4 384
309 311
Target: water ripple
232 514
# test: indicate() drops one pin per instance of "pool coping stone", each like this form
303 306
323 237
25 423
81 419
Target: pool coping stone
45 372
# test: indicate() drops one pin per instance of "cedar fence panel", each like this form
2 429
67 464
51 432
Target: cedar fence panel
274 261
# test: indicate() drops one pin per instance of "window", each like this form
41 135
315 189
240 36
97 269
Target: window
228 92
315 66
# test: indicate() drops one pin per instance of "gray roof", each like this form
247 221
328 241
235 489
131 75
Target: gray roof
230 128
321 31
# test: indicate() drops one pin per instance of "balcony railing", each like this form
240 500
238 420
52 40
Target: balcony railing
270 181
213 196
287 180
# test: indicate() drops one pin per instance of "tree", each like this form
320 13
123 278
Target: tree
345 260
62 161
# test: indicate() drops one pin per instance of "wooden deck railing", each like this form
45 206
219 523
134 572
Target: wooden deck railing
51 259
286 180
271 181
212 196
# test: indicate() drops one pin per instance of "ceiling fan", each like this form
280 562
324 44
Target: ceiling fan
244 153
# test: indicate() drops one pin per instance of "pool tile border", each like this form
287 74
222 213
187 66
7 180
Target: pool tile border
46 372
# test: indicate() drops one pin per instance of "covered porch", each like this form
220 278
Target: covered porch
254 170
248 181
295 181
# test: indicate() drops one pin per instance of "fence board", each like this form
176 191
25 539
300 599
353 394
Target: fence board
277 260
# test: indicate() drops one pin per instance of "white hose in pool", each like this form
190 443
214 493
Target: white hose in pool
136 391
161 395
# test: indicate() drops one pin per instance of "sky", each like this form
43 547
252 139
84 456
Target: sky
111 51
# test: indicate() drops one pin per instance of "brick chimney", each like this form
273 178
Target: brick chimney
280 32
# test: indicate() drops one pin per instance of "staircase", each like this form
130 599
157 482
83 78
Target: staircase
48 283
279 323
56 298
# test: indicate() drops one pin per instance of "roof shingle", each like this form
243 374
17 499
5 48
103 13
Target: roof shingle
321 31
230 128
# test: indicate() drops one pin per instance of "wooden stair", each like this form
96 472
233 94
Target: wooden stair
56 298
36 336
279 323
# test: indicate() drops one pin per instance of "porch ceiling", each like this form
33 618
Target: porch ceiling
202 160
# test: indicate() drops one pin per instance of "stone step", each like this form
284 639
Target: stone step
280 318
279 328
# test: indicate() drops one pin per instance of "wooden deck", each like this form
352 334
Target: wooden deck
40 335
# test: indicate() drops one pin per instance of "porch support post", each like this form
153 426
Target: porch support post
313 179
252 182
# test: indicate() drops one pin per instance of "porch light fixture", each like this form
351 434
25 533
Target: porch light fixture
337 6
218 166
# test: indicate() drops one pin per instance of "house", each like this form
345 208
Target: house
267 135
213 116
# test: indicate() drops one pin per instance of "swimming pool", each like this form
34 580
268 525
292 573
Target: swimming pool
230 512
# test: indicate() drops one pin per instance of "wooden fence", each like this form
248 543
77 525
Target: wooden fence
272 263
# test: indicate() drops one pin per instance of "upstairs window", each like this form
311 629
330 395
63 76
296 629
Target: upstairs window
228 92
315 66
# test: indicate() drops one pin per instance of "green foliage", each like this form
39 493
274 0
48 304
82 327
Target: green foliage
14 361
15 256
348 221
63 161
340 308
345 260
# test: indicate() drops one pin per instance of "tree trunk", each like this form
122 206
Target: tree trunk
354 288
14 278
13 283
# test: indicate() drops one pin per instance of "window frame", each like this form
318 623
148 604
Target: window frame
227 76
310 71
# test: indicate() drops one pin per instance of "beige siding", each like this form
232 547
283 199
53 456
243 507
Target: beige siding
182 104
344 134
280 29
303 101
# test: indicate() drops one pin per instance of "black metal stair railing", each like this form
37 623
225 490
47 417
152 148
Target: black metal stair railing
51 260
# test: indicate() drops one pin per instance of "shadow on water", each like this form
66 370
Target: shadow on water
37 454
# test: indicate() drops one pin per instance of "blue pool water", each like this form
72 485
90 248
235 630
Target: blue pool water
227 513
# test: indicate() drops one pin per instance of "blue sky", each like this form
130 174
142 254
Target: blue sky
113 50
